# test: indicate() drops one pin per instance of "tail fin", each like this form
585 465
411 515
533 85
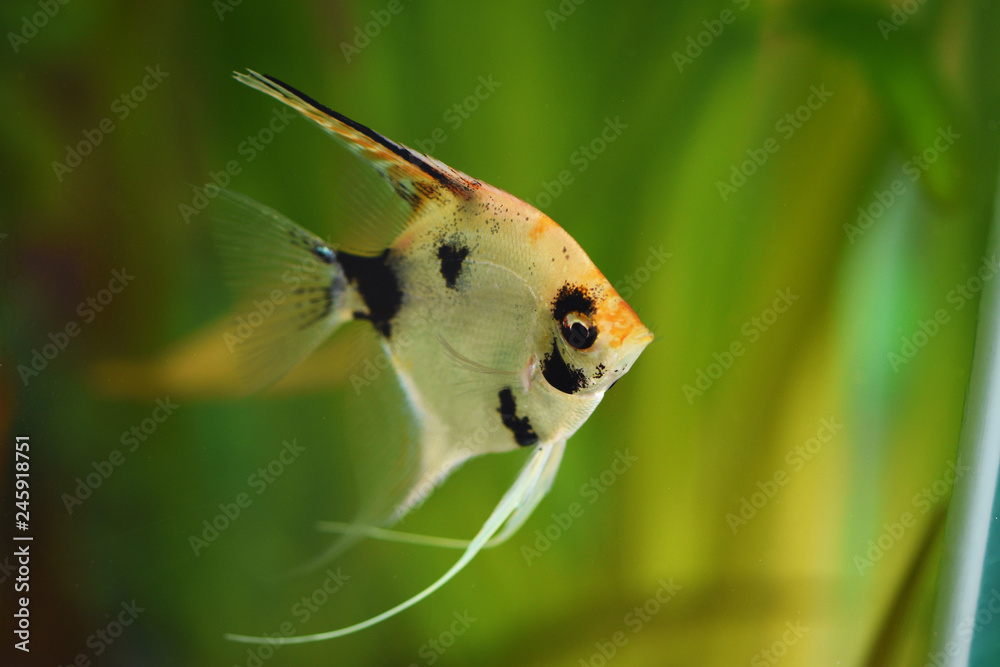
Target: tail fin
291 290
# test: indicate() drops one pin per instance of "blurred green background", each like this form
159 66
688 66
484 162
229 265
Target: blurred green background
821 175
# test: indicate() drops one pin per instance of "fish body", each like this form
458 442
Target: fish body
479 280
501 331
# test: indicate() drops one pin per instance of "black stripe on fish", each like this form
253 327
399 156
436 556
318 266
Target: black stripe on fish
452 257
376 282
560 375
524 435
310 310
310 297
400 150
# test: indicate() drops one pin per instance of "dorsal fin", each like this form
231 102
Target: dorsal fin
378 214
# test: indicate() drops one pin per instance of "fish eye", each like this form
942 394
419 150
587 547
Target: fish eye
578 330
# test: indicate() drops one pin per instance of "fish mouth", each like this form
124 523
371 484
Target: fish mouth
641 336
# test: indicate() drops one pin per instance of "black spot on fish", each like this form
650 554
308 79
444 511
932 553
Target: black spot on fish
599 371
560 375
376 282
572 299
451 257
524 435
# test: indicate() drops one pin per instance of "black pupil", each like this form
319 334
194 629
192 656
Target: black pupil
578 335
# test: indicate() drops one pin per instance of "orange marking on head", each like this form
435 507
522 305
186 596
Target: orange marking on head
617 321
542 224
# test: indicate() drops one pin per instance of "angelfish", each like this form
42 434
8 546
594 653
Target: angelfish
484 290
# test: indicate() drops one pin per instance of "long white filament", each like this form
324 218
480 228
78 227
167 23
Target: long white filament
376 533
517 518
524 487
